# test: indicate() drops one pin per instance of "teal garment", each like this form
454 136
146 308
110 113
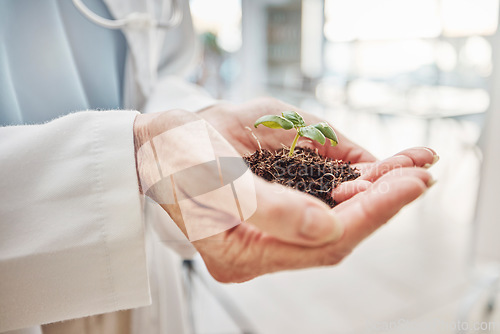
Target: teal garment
54 61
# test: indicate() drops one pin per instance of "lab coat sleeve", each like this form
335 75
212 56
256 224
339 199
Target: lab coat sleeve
71 225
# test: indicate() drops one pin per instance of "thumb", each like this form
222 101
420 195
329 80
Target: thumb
294 217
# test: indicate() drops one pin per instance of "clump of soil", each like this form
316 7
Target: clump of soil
305 170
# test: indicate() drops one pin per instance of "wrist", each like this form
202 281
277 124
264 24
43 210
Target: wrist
141 135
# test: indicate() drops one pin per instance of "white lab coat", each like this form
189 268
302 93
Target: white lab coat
72 238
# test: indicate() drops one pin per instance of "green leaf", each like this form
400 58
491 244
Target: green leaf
313 133
293 117
274 122
328 132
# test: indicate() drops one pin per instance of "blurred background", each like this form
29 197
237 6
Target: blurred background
390 74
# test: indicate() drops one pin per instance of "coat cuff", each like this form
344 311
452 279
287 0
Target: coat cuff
122 207
72 232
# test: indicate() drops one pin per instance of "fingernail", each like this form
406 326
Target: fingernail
320 224
434 160
431 182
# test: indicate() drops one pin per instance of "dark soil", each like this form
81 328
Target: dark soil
306 171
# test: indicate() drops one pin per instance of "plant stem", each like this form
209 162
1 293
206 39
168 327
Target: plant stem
293 144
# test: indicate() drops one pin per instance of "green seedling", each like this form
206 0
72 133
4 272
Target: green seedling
291 120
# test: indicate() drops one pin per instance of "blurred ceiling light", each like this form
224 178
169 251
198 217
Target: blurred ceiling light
229 39
388 58
448 100
469 17
368 94
381 19
331 91
446 56
339 57
477 53
312 41
402 19
220 17
420 100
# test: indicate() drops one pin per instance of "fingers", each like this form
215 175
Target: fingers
367 211
256 254
297 218
413 157
420 155
356 218
348 189
347 150
293 216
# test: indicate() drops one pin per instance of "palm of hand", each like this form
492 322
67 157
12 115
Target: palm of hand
269 242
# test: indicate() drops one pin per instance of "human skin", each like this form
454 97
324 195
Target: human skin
290 229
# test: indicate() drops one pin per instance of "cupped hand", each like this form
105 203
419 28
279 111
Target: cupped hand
365 204
288 229
235 123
